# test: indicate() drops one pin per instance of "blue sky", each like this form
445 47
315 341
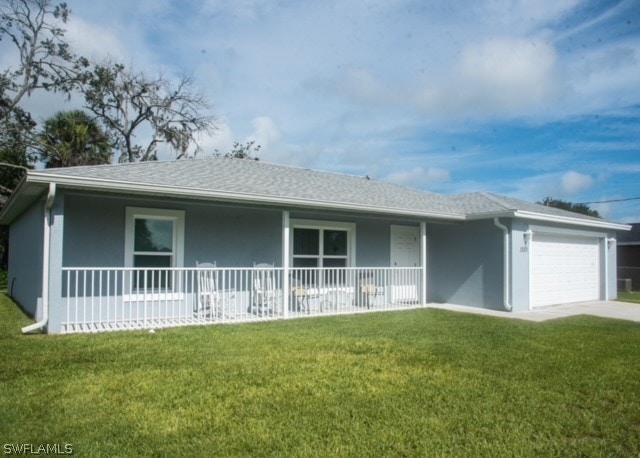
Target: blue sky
523 98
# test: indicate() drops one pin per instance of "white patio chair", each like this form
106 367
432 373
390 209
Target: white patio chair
264 290
208 298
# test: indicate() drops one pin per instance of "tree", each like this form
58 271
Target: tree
129 103
15 159
45 60
239 150
570 206
71 138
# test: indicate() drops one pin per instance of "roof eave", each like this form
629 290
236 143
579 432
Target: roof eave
489 215
16 204
570 220
151 189
549 218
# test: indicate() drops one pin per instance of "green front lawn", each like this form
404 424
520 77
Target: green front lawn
631 296
414 383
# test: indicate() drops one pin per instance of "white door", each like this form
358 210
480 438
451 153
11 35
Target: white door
564 269
405 252
405 246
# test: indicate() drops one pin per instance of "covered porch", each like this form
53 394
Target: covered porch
112 299
191 263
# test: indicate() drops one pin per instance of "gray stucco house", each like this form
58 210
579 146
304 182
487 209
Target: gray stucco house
212 240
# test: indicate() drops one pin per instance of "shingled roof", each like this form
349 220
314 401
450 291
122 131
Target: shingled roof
264 180
479 203
257 181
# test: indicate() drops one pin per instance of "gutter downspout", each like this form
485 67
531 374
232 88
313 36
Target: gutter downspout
507 306
45 263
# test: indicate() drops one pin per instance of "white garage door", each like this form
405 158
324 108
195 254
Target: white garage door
564 269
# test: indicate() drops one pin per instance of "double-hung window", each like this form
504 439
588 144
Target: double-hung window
322 244
154 243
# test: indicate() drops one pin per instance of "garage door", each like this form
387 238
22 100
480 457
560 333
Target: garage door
564 269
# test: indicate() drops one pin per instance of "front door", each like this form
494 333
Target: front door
405 252
405 246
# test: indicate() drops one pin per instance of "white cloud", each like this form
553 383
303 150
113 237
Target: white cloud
567 186
363 85
515 72
606 76
95 41
419 176
246 9
265 133
503 76
221 141
574 182
524 15
623 168
605 210
496 77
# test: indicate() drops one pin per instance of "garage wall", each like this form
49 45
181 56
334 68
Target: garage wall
520 267
612 268
465 264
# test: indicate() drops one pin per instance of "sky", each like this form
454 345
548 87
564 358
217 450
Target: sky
529 99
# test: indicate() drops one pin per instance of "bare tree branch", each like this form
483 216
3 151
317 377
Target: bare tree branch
21 167
129 103
45 60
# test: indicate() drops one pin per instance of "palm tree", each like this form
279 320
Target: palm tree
71 138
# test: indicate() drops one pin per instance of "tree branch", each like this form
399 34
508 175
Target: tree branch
45 59
128 102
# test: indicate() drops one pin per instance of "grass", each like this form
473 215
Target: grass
629 296
414 383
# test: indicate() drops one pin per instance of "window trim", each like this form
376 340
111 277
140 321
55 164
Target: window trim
321 226
177 216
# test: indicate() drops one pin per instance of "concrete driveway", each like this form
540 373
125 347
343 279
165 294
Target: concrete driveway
605 309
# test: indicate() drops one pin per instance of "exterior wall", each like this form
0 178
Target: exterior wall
373 247
464 264
612 267
519 291
230 236
25 259
57 231
94 235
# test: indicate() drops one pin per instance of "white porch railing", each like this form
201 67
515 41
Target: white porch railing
104 299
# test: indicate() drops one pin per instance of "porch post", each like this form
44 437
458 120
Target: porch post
423 261
285 262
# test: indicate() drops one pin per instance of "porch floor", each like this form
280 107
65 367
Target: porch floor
160 323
